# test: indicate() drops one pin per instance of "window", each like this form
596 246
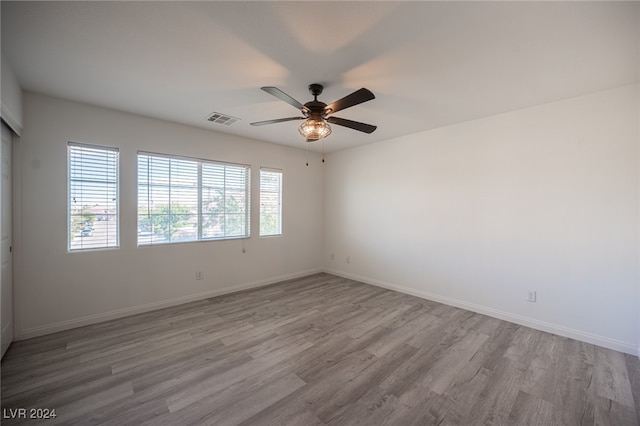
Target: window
92 197
270 202
184 199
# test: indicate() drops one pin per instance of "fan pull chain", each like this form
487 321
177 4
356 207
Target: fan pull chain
306 149
323 150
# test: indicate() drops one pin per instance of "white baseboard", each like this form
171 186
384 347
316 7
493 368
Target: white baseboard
28 333
583 336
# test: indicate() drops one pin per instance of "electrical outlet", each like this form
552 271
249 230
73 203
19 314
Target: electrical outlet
199 275
348 259
532 296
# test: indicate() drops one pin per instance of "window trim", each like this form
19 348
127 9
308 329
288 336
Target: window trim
200 162
71 144
281 173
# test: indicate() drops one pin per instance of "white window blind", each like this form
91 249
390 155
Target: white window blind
93 217
270 202
184 199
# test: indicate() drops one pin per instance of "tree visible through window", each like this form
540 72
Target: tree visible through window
183 199
92 197
270 202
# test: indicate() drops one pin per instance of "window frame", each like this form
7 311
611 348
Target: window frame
200 162
279 193
71 145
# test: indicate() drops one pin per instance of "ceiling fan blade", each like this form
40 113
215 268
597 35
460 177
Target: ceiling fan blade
355 125
274 91
357 97
277 120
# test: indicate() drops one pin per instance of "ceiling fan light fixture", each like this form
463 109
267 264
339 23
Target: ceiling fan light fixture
313 130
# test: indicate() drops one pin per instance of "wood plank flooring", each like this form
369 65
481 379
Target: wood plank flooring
320 350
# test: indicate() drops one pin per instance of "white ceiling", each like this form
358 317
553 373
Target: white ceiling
430 64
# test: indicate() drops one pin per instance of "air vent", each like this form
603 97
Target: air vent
219 118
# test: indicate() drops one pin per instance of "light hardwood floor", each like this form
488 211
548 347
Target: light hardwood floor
314 351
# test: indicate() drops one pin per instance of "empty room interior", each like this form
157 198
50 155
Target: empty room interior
320 213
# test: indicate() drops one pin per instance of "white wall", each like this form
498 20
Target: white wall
479 213
474 215
57 290
11 97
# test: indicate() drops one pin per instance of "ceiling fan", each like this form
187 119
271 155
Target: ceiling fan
317 115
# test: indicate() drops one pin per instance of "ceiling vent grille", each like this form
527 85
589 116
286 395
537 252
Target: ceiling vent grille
219 118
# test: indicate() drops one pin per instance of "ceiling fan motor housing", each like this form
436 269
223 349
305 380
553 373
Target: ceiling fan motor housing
315 108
